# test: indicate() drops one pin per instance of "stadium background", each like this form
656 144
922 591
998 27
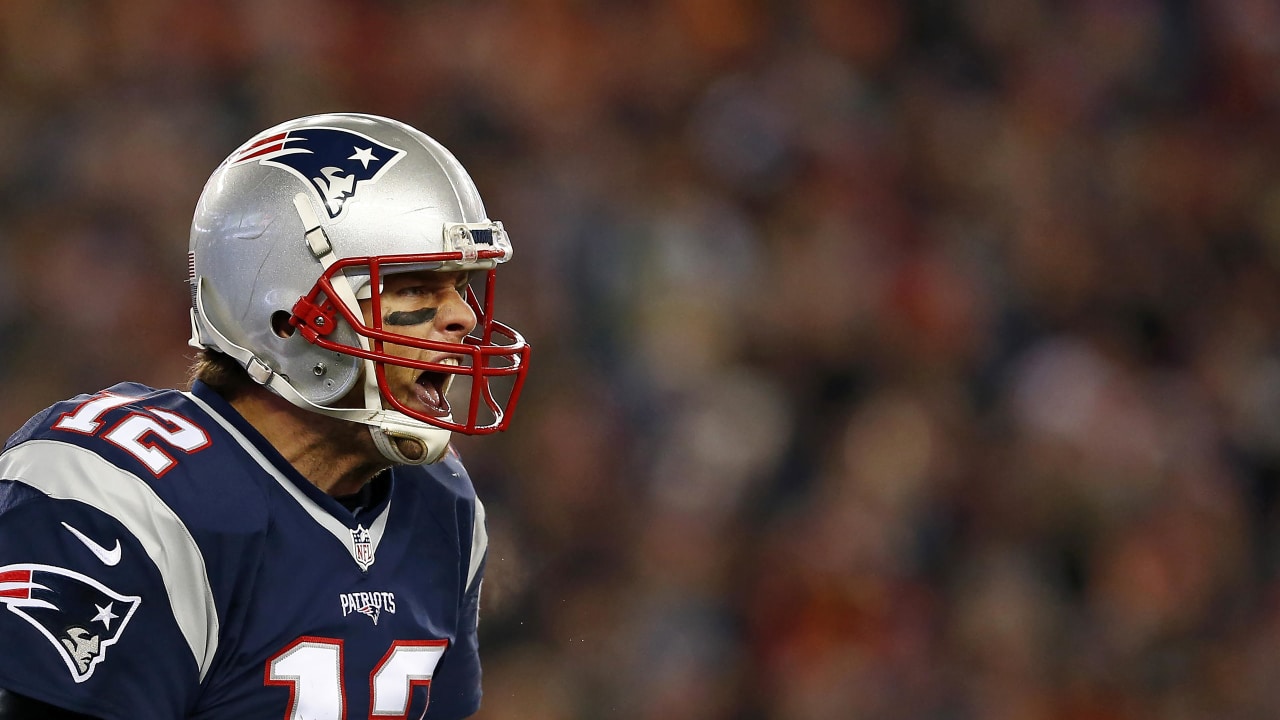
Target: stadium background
892 359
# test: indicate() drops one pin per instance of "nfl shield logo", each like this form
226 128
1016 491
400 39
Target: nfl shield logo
363 546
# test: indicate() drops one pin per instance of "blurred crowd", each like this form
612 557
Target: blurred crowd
893 359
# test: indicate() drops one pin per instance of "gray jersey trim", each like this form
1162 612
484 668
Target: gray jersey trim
479 543
70 472
317 513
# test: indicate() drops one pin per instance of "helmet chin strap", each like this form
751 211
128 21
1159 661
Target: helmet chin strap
392 433
388 440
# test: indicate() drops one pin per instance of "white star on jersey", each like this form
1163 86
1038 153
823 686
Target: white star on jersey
105 615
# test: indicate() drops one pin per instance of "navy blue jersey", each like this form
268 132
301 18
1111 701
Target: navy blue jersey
159 559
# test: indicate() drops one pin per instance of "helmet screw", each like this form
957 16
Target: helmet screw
318 369
320 321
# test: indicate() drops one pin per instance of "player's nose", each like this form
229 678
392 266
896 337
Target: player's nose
456 317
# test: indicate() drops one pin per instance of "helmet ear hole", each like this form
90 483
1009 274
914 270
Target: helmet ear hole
280 324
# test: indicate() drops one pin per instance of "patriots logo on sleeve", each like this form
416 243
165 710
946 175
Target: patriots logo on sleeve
333 161
78 615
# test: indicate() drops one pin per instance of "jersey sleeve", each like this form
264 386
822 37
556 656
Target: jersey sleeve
456 688
87 620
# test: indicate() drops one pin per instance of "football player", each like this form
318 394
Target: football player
293 536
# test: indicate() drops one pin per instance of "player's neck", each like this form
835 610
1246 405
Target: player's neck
336 456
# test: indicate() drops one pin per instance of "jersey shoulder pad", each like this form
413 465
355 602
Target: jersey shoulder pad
108 417
40 423
162 438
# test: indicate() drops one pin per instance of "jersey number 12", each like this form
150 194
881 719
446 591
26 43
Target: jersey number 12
133 434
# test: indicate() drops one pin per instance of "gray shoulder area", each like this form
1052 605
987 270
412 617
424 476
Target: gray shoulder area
70 472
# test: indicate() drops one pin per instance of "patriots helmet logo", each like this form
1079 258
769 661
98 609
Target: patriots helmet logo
78 615
335 162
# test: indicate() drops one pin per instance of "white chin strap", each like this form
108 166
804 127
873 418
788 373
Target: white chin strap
388 438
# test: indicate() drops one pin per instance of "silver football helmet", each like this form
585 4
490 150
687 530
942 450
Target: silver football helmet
304 221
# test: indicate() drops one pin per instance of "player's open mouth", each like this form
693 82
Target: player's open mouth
429 389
